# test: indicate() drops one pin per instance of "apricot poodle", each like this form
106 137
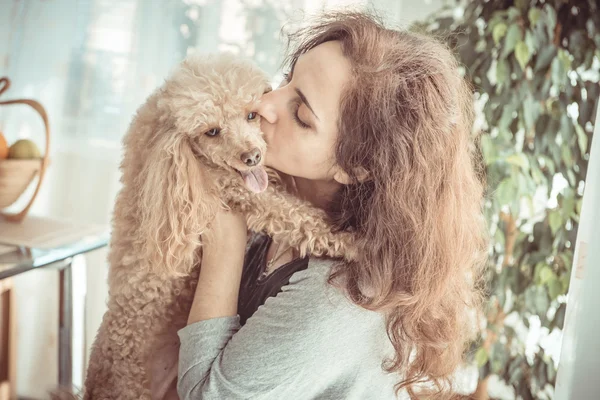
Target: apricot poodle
194 146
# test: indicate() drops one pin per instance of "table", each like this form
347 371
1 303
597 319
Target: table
24 259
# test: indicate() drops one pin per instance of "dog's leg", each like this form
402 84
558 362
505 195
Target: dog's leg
285 217
164 366
116 369
139 308
162 361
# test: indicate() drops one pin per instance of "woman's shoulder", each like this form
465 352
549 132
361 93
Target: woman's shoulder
324 300
326 316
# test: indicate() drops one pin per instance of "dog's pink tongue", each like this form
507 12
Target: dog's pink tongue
256 179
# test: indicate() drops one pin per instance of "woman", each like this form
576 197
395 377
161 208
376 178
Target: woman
372 125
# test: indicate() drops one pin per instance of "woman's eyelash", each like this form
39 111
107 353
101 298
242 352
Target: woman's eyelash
297 118
286 78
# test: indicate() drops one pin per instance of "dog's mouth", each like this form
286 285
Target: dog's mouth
255 179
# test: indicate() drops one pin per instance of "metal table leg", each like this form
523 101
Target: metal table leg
65 344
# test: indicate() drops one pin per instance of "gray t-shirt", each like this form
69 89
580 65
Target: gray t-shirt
307 342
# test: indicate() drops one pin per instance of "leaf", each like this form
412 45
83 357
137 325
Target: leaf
541 301
506 191
571 177
499 31
582 139
555 221
519 160
537 175
502 72
498 357
531 41
481 46
566 156
577 45
537 269
554 288
481 357
567 131
506 119
534 16
550 165
565 281
536 300
567 258
559 73
568 204
551 372
515 376
578 206
550 16
499 237
516 363
513 35
589 60
513 13
488 149
525 189
531 111
546 274
522 54
544 58
565 59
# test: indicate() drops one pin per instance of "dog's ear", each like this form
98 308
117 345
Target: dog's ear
175 205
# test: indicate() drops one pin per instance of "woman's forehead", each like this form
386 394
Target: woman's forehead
322 73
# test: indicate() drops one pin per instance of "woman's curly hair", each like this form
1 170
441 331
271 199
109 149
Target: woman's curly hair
406 117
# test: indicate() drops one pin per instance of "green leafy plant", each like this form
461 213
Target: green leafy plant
534 67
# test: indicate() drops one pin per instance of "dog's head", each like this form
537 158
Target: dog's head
213 100
202 118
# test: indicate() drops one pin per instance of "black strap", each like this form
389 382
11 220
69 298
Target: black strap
256 289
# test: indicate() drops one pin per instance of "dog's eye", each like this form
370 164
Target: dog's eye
213 132
251 116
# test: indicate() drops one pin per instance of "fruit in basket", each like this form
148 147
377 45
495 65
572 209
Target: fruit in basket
3 147
24 149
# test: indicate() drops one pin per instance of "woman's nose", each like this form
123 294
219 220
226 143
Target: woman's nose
267 108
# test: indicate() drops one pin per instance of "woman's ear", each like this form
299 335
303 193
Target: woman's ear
342 177
174 203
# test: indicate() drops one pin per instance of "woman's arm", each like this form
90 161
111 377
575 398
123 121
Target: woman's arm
222 263
306 342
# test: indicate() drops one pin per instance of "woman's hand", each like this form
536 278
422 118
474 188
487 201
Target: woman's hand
223 250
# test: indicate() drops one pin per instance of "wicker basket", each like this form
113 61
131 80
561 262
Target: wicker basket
16 175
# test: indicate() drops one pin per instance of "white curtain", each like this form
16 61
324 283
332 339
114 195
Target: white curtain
91 63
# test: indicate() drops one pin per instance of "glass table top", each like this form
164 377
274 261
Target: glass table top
22 259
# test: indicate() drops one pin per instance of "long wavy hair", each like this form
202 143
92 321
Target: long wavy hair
406 116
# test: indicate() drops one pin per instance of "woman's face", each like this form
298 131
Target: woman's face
299 118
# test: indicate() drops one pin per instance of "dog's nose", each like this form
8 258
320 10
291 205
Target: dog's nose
251 158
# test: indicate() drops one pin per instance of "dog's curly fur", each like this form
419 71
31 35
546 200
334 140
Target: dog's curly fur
174 179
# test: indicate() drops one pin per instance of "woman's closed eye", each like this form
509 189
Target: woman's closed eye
295 107
295 104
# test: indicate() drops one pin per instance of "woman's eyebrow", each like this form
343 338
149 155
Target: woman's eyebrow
303 98
300 94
